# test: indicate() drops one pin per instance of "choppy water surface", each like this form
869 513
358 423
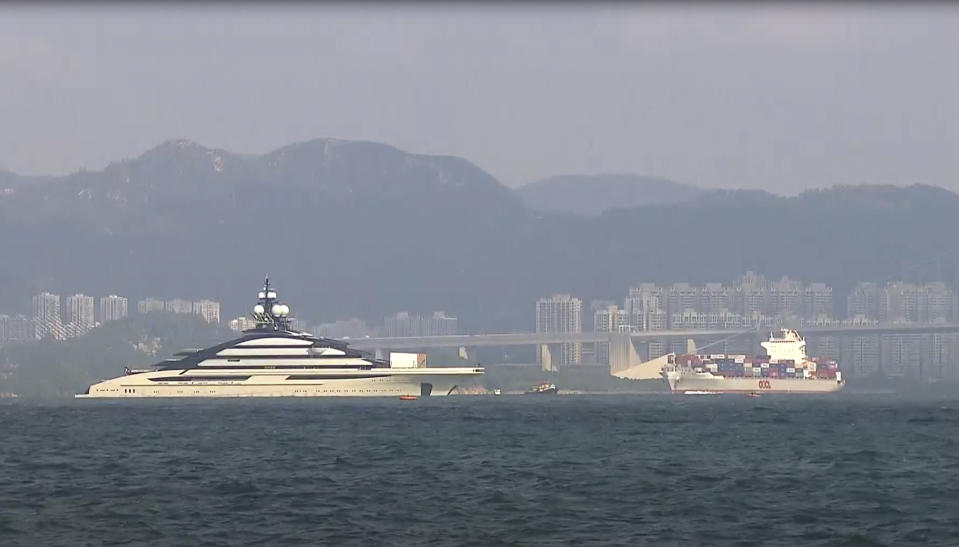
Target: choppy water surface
623 470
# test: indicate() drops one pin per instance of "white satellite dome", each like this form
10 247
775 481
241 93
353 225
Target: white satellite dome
258 309
285 310
271 294
261 294
277 309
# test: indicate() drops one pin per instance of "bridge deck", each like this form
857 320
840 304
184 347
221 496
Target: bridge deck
513 339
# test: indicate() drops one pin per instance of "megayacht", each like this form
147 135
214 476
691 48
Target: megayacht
274 360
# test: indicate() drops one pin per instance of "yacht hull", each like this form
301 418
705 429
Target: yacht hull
376 383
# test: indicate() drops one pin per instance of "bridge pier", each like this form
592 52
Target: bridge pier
545 359
622 353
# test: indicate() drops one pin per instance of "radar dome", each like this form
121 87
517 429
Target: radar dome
258 309
261 294
285 309
277 309
271 294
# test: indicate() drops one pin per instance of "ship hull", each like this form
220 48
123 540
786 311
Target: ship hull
679 382
375 383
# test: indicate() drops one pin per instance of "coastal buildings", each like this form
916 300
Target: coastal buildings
405 324
753 302
81 317
863 301
178 305
817 301
442 324
559 313
76 315
209 310
150 305
344 328
46 316
242 323
608 319
113 308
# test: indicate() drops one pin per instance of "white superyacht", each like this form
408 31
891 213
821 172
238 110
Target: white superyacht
273 360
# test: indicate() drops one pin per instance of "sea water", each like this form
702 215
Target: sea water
474 470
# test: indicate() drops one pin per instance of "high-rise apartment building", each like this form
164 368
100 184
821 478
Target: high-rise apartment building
901 354
242 323
149 305
817 301
406 324
785 298
657 320
715 298
209 310
900 303
608 319
46 316
344 328
641 301
299 325
863 301
860 355
81 317
113 308
400 325
178 305
749 297
683 297
936 303
560 313
443 325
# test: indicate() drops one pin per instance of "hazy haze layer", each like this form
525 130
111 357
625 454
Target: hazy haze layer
783 97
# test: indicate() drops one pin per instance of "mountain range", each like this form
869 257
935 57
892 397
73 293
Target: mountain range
360 229
593 194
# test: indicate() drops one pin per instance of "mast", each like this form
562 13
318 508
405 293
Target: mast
269 312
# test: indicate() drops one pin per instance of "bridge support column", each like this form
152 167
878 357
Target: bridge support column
622 353
545 358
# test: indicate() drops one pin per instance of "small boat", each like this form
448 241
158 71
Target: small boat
752 394
544 388
408 397
497 391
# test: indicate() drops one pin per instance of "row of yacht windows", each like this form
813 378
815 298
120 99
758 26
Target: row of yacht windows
182 378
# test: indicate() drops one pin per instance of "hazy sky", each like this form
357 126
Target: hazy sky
780 97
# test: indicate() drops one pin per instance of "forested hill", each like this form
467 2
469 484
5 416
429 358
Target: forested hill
362 229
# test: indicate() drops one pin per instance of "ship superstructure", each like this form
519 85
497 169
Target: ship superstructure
274 360
785 369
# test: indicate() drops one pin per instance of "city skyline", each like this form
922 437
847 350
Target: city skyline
62 318
749 300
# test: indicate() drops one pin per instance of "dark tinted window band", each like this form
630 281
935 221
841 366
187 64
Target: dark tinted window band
303 356
272 367
332 376
200 378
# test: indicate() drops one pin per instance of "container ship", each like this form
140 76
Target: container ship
784 369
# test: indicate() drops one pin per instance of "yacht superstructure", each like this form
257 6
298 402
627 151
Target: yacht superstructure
273 360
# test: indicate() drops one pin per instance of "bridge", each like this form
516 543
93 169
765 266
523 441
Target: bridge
622 350
532 338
